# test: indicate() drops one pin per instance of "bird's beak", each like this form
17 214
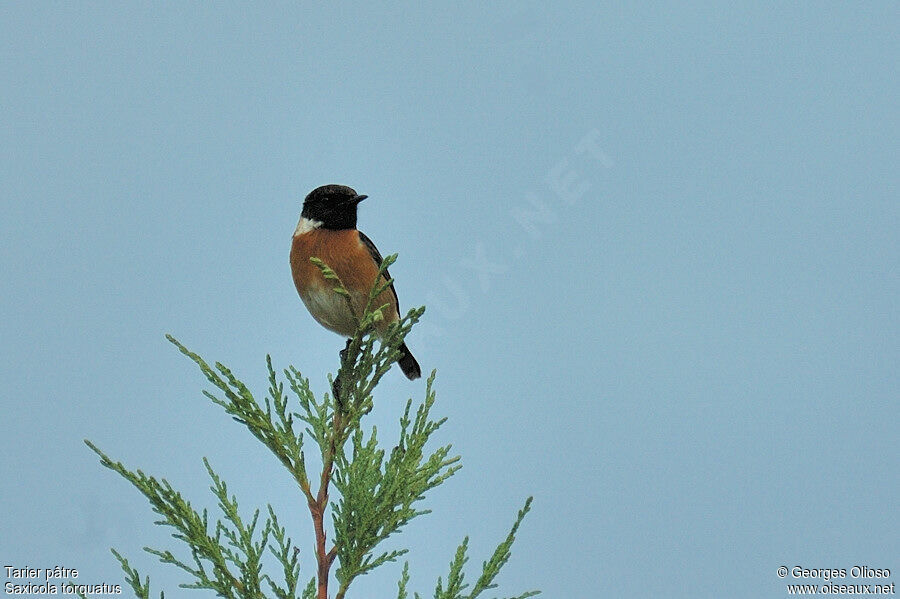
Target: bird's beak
358 199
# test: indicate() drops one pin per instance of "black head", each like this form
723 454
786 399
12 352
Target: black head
332 205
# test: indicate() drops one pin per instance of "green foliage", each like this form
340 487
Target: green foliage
489 569
377 495
225 554
141 589
250 556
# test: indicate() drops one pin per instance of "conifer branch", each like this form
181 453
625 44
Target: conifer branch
377 491
489 570
193 528
133 578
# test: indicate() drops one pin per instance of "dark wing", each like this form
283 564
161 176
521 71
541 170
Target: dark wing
376 256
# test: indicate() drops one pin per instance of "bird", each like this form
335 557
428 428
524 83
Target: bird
327 230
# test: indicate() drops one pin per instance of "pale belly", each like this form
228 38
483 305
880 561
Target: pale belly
349 258
330 310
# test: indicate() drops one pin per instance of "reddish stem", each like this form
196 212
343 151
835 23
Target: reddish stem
317 507
321 556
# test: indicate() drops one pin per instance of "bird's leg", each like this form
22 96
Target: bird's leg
336 385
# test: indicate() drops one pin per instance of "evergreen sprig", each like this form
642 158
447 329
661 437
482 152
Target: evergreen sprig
489 569
377 495
133 578
377 491
213 560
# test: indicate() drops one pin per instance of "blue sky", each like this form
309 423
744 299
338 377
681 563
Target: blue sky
658 246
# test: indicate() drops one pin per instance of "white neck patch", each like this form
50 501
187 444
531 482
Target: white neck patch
306 225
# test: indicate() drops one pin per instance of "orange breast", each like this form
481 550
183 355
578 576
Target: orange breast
345 254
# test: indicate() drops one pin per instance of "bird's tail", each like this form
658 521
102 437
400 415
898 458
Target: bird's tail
408 364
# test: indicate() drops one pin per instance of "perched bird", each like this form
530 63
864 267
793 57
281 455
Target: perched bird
327 230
